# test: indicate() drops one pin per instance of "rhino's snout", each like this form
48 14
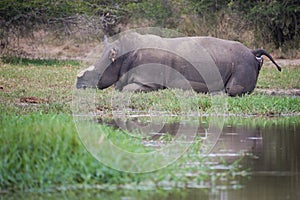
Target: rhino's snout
85 82
80 86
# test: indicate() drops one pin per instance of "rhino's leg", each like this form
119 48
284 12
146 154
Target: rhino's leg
199 87
134 87
233 87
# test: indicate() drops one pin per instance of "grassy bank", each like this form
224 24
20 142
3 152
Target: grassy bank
44 153
180 102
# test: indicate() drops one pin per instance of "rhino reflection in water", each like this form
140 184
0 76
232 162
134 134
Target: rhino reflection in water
233 140
138 62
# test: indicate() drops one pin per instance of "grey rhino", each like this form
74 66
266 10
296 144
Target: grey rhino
136 62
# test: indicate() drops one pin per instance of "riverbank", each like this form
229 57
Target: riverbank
42 150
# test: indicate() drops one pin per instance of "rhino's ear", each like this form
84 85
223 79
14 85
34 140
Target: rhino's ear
112 51
113 54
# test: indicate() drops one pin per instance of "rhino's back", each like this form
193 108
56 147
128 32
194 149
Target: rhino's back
223 50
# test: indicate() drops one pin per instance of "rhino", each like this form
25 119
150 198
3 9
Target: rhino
144 62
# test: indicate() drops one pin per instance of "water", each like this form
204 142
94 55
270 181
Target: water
275 164
270 151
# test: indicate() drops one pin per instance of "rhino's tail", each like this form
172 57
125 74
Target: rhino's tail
260 52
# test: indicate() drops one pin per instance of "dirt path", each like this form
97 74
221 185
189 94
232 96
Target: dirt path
43 48
283 92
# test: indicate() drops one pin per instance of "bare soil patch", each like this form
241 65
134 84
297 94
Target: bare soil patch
283 92
46 45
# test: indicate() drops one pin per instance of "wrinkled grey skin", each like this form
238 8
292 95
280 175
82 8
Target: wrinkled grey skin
137 62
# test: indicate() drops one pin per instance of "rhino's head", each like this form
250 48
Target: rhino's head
104 72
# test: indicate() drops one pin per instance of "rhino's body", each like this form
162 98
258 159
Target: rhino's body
205 64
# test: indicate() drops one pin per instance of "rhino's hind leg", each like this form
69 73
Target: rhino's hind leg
234 89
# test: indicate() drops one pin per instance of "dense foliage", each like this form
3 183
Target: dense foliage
274 21
278 19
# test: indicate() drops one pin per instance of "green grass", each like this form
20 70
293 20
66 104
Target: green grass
271 78
38 62
108 193
264 105
40 151
53 83
188 103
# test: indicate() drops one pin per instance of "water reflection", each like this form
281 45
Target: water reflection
276 171
233 140
272 154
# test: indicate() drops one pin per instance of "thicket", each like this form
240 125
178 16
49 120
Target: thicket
273 21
